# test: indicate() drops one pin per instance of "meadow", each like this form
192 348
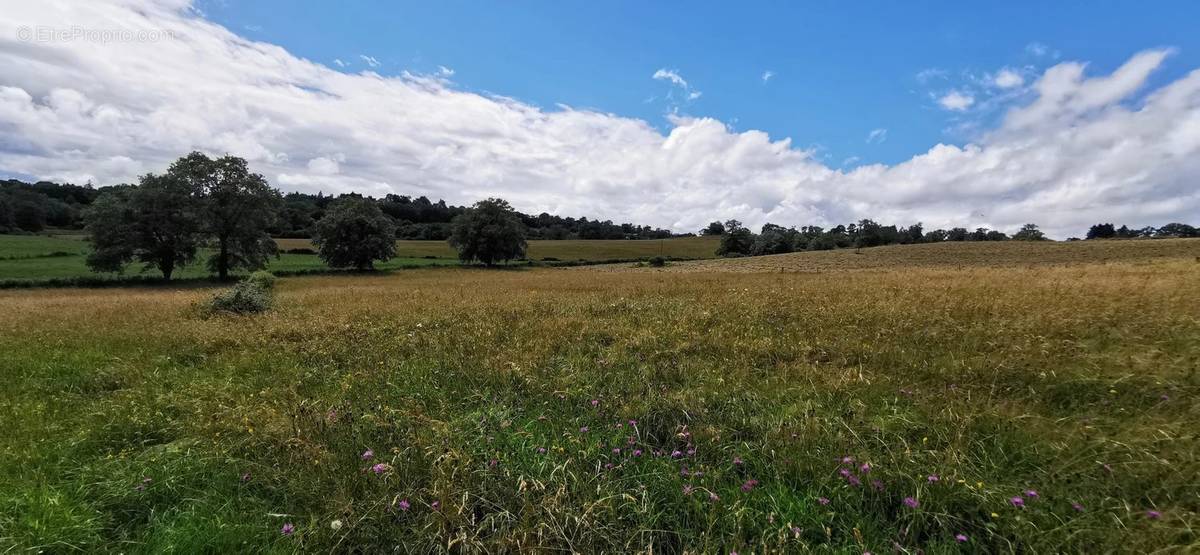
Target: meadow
1033 408
27 260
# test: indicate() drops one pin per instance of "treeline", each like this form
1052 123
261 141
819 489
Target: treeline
737 240
32 207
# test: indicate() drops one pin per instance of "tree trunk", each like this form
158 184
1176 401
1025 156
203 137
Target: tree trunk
167 266
223 261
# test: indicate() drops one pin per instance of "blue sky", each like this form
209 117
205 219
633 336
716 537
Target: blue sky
840 69
1062 114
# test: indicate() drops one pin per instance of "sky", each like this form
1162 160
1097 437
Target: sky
1062 114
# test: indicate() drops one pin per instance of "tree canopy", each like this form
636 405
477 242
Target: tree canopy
156 223
354 234
490 232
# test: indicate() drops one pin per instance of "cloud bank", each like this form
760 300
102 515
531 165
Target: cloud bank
1083 149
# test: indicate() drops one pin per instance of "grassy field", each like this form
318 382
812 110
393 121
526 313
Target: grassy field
33 259
945 408
590 250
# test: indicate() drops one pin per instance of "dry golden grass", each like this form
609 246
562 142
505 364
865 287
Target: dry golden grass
1075 379
951 255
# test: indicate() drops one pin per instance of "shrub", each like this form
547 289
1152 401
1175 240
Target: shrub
658 262
263 279
300 251
247 297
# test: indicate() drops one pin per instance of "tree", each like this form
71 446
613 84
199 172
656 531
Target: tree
239 208
490 232
1102 231
957 234
354 234
774 239
156 223
714 228
737 240
1176 229
1029 232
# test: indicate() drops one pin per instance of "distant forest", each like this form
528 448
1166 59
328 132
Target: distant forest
32 207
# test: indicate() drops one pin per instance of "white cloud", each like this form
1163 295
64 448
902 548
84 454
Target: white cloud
671 75
444 71
1085 148
1007 78
929 74
370 60
956 101
767 75
339 62
877 135
1037 49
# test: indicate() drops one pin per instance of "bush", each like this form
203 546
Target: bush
300 251
263 279
247 297
658 262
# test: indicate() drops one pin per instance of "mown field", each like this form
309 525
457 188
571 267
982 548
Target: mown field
1008 408
28 259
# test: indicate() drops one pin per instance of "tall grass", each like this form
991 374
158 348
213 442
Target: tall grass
494 404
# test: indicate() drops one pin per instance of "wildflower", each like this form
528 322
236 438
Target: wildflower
911 502
245 476
583 429
595 402
616 450
865 468
877 485
379 468
493 463
1031 493
960 538
1078 508
796 531
847 460
845 472
933 478
737 461
632 422
749 485
687 489
435 505
335 525
404 505
1165 397
368 455
713 497
854 481
541 450
287 529
676 454
1153 515
823 500
637 452
1018 502
608 466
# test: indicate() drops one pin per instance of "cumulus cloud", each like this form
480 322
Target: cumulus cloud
1083 148
1007 78
956 101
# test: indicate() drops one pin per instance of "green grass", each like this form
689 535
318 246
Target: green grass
38 259
133 424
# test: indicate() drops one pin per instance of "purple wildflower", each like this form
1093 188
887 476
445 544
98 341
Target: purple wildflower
853 480
583 429
379 468
676 454
1017 501
845 472
1153 515
595 402
687 489
865 468
749 485
1031 493
823 500
933 478
847 460
877 485
637 452
404 505
493 463
960 538
911 502
287 529
1077 507
368 455
737 461
435 505
632 422
541 450
616 450
713 497
245 476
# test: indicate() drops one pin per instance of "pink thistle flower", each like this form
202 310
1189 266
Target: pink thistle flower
738 461
1031 493
749 485
379 468
637 452
933 478
368 455
713 497
1078 508
823 500
845 472
404 505
847 460
435 505
676 454
541 450
583 429
1153 515
877 485
288 529
595 402
911 502
853 480
632 422
1017 501
960 538
865 468
616 450
687 489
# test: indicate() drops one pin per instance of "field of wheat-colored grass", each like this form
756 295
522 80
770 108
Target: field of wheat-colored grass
952 406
